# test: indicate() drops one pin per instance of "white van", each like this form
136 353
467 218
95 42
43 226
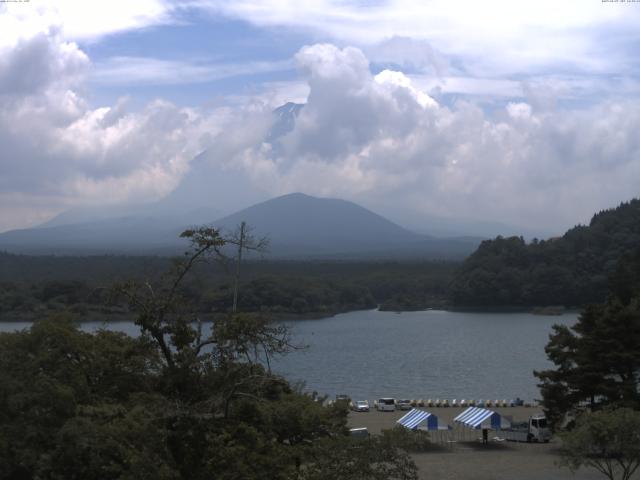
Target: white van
386 405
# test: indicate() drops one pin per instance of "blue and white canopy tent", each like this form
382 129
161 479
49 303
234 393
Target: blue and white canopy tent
481 418
419 419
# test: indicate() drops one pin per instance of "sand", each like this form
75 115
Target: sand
467 458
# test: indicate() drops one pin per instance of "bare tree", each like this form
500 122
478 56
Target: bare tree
165 315
245 241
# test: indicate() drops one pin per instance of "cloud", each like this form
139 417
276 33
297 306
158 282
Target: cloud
154 71
80 20
59 151
497 37
385 139
27 68
519 110
276 94
380 140
103 155
472 87
56 146
410 54
343 89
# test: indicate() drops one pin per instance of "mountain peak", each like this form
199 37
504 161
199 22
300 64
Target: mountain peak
319 223
285 120
289 108
296 195
298 226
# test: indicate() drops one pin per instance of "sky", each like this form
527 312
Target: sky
525 113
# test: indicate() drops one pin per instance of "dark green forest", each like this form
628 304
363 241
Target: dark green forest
597 360
33 285
571 270
174 403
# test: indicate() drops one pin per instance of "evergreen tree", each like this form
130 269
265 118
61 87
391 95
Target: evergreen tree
571 270
598 359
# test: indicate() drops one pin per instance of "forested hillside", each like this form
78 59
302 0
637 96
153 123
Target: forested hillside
572 270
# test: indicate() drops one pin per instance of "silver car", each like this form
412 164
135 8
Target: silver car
360 406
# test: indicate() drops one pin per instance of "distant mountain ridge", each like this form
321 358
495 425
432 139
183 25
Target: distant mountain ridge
208 191
340 229
285 120
297 217
298 226
190 202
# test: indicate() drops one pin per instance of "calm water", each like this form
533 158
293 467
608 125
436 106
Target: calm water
427 354
431 354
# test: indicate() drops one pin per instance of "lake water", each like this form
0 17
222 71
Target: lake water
429 354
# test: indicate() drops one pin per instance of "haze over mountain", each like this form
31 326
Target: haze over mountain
209 190
298 226
302 225
408 117
206 192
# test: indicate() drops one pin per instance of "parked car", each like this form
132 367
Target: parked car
386 404
403 404
360 406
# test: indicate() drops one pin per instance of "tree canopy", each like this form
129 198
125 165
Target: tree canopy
571 270
597 361
33 287
608 441
181 401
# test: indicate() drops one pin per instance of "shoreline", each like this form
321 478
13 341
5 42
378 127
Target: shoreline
376 421
115 317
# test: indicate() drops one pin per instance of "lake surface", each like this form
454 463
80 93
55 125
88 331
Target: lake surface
429 354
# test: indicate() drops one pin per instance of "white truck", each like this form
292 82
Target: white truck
535 430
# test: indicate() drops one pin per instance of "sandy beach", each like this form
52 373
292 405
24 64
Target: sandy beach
467 458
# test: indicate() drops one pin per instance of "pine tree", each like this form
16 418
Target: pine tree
598 359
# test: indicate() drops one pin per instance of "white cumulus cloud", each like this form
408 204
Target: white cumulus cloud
490 37
59 151
381 141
